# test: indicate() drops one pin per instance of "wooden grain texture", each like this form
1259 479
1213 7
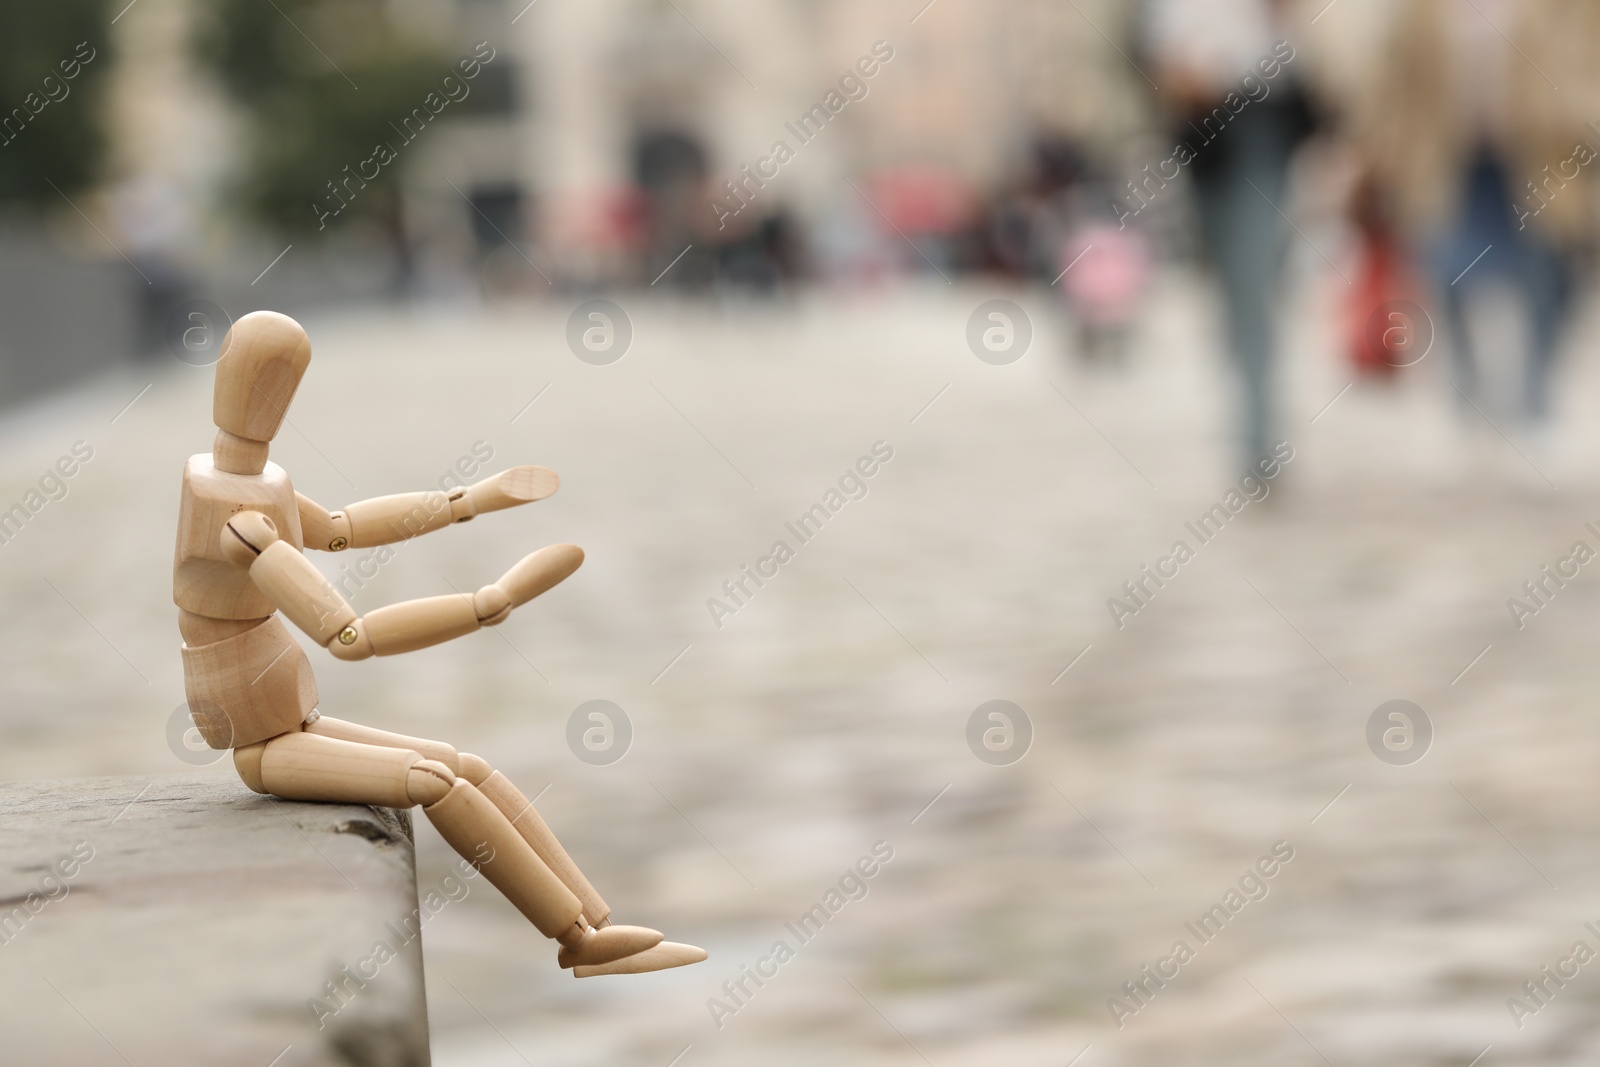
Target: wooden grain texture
518 485
328 726
385 519
306 766
660 957
609 945
477 830
290 582
201 630
238 455
520 810
414 624
264 356
539 571
203 582
323 530
248 687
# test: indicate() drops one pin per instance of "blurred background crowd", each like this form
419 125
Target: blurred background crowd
595 145
1363 227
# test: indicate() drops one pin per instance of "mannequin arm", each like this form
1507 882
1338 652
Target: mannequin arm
310 601
386 519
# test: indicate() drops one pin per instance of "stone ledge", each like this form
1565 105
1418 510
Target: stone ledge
186 920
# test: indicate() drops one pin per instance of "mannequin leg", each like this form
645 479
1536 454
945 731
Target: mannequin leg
520 810
327 726
304 765
498 788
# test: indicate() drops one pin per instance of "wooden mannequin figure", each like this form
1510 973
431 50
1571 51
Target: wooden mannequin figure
241 531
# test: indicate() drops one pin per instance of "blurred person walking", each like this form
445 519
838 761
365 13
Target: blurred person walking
1474 124
1057 226
1225 69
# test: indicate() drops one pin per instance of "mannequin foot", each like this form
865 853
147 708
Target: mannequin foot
656 958
586 946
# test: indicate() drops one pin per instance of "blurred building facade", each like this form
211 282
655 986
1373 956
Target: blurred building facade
614 126
600 141
951 113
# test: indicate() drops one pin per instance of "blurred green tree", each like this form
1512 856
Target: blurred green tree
320 83
51 131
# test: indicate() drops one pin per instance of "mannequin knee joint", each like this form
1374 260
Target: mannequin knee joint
473 768
428 781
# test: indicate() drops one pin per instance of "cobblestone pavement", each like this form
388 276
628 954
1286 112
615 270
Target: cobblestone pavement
830 712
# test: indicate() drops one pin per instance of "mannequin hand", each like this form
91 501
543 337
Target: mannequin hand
518 485
532 575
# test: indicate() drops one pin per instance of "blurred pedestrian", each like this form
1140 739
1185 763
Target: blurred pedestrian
1226 70
1379 330
161 234
1475 123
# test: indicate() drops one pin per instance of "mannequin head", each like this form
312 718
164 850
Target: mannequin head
264 356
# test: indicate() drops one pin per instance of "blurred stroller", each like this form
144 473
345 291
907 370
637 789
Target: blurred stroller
1103 274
